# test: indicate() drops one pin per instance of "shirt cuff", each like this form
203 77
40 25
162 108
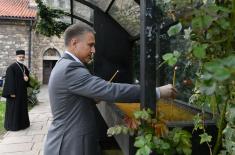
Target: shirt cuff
158 93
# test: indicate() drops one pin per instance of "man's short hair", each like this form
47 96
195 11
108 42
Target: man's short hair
76 30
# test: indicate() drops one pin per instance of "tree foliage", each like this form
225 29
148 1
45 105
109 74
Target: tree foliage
49 22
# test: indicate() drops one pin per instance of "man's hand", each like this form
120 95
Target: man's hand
167 91
26 78
13 96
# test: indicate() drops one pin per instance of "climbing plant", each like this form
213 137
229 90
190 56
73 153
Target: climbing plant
152 135
49 21
209 25
33 90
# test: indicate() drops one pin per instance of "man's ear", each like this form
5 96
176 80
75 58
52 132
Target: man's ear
73 41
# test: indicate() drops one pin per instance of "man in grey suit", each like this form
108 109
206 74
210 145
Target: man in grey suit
72 90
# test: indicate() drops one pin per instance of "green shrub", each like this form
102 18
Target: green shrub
33 90
2 114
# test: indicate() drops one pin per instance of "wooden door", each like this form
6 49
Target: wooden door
48 65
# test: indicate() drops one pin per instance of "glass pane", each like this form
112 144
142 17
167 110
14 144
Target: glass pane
78 21
66 19
127 14
83 11
102 4
59 4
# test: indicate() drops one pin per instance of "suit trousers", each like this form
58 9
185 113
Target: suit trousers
86 145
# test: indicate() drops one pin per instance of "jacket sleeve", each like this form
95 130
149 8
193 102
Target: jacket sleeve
81 82
9 85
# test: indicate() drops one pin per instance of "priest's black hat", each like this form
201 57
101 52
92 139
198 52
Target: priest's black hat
20 52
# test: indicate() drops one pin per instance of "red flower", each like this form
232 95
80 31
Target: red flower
131 122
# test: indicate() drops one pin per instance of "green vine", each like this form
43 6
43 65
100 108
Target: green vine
221 127
152 135
212 37
49 22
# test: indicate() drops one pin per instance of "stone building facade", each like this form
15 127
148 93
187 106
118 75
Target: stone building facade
15 35
46 51
17 32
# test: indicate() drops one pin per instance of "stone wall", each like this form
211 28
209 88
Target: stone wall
12 37
15 35
40 45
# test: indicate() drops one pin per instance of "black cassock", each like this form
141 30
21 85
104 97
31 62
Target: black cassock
16 114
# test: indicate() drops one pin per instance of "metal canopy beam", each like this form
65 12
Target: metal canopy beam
77 17
89 4
82 19
94 7
110 5
148 40
71 10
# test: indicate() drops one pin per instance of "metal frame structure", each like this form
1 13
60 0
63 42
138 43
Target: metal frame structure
148 54
92 6
110 5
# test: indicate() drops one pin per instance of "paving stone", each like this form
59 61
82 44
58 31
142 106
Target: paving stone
23 153
36 125
5 135
45 128
38 146
6 148
41 152
29 141
15 140
38 138
49 123
17 133
37 132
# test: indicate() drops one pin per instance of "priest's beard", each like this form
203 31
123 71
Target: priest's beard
22 62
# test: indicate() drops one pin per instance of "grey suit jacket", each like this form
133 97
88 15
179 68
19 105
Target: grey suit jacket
72 90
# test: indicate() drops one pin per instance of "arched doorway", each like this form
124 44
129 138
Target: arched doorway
50 58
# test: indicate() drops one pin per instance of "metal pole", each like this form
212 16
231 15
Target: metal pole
30 43
148 54
71 11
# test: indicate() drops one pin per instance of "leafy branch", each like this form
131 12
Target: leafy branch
170 58
211 32
152 135
200 125
49 22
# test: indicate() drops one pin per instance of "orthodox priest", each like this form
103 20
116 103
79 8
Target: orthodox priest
15 92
